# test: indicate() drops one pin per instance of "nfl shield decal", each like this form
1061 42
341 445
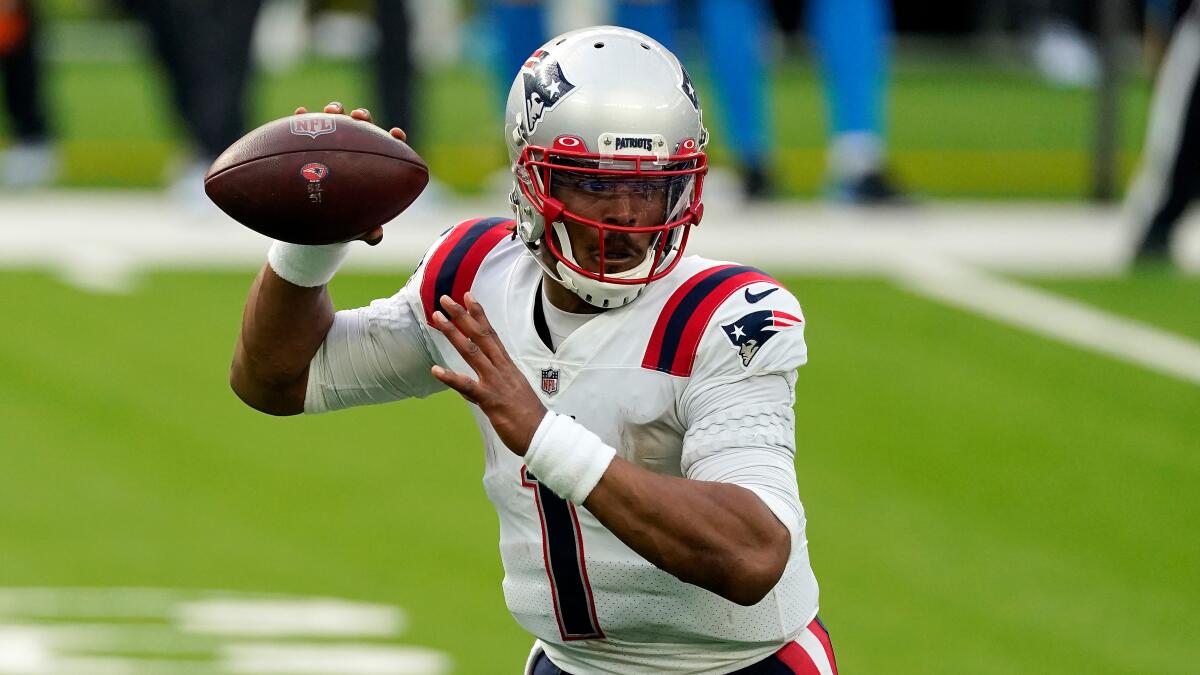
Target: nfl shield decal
550 381
749 333
313 125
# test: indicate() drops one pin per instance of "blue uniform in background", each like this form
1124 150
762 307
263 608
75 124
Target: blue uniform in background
851 38
732 33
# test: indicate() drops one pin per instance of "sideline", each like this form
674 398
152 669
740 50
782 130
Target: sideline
105 234
102 241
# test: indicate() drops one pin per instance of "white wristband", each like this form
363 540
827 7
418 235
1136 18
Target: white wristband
567 458
307 266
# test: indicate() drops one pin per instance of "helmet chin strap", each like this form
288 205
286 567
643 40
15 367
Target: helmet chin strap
598 293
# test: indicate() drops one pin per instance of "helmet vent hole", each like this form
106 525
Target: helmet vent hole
560 42
645 46
599 45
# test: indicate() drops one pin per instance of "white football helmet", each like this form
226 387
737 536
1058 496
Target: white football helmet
600 107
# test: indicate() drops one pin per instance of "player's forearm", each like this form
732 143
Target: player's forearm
718 536
282 329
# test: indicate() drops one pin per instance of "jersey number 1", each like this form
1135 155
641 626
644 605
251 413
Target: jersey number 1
562 547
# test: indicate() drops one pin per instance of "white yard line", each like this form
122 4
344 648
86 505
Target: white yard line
124 231
52 631
1053 316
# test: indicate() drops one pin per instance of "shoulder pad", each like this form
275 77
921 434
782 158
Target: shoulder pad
450 267
688 316
756 331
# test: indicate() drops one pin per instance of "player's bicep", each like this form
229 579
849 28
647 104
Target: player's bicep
766 472
371 355
744 433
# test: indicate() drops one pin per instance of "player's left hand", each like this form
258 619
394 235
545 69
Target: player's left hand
501 391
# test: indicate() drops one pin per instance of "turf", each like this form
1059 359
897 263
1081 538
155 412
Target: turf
980 500
958 126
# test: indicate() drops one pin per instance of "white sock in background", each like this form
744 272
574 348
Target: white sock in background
855 154
27 165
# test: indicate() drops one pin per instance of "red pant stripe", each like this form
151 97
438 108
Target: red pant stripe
818 630
794 657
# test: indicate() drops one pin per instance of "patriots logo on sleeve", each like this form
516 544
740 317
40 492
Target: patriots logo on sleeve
749 333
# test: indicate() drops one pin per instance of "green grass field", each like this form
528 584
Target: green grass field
959 127
980 500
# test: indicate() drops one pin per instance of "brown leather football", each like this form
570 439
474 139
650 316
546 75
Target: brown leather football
316 178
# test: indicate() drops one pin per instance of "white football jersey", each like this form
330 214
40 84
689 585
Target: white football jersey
692 379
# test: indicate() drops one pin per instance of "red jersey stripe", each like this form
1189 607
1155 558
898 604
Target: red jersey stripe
676 338
660 328
453 265
689 343
434 265
471 262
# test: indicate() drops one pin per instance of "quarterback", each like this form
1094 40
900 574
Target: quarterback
635 403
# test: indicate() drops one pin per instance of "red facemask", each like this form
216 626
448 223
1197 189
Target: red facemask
569 160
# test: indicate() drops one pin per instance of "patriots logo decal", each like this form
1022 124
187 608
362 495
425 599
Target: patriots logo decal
749 333
689 89
545 86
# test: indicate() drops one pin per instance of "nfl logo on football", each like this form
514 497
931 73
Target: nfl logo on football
313 126
550 381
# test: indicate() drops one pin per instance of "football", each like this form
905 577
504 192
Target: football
316 178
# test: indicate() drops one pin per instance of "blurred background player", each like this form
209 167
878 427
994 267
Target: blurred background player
1062 51
733 34
395 73
204 46
734 39
378 32
31 159
852 47
851 38
1169 175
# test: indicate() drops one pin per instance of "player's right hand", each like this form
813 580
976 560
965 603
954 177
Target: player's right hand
334 108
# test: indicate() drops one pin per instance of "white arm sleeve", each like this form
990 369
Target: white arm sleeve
372 354
743 432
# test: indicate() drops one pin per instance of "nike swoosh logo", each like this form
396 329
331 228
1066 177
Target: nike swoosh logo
755 297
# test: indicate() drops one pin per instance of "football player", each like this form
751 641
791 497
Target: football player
1168 180
635 403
